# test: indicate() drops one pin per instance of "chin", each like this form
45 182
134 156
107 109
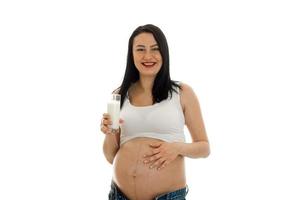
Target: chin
148 72
152 74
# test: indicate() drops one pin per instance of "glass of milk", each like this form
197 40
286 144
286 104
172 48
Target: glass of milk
113 109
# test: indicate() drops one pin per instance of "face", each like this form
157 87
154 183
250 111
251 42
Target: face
146 54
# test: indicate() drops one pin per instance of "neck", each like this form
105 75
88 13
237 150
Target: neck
145 84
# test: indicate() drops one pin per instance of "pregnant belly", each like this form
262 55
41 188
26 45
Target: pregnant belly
136 180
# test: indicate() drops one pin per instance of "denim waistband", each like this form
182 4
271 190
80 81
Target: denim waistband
116 193
178 194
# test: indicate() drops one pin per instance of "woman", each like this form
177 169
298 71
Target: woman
148 151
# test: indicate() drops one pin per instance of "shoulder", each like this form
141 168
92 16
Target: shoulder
187 95
186 90
181 87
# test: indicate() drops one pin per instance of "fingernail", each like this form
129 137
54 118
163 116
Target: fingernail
144 156
151 167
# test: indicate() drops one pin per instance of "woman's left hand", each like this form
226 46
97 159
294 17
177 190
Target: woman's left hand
161 155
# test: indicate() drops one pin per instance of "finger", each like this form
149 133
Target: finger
106 122
105 130
153 152
152 158
155 157
155 145
106 115
157 163
162 166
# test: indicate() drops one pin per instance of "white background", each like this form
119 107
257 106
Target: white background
61 59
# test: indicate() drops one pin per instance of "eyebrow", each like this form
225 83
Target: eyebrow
139 45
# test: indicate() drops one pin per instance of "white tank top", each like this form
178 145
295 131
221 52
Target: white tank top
163 120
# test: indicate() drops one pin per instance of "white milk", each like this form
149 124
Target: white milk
113 109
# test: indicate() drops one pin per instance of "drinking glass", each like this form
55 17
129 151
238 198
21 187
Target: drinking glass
113 109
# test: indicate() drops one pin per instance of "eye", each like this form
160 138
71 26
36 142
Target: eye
155 49
140 49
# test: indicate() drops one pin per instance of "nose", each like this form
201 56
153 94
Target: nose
147 55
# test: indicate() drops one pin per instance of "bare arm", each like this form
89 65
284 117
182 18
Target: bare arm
164 153
111 141
194 149
194 122
110 147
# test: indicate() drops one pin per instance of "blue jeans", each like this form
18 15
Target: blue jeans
116 194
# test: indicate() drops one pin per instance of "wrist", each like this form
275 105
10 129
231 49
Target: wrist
179 148
112 139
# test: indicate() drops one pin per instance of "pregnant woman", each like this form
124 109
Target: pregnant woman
148 151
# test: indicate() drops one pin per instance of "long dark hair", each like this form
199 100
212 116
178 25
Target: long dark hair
163 85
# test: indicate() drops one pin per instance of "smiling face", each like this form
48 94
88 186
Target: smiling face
146 54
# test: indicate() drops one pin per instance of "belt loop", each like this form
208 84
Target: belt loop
187 189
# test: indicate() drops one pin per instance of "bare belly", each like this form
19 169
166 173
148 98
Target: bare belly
136 180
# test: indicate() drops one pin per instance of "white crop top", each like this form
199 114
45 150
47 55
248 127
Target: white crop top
163 120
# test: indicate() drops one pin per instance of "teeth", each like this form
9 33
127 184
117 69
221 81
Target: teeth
149 64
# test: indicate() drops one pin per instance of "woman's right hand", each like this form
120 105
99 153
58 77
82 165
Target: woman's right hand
106 122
